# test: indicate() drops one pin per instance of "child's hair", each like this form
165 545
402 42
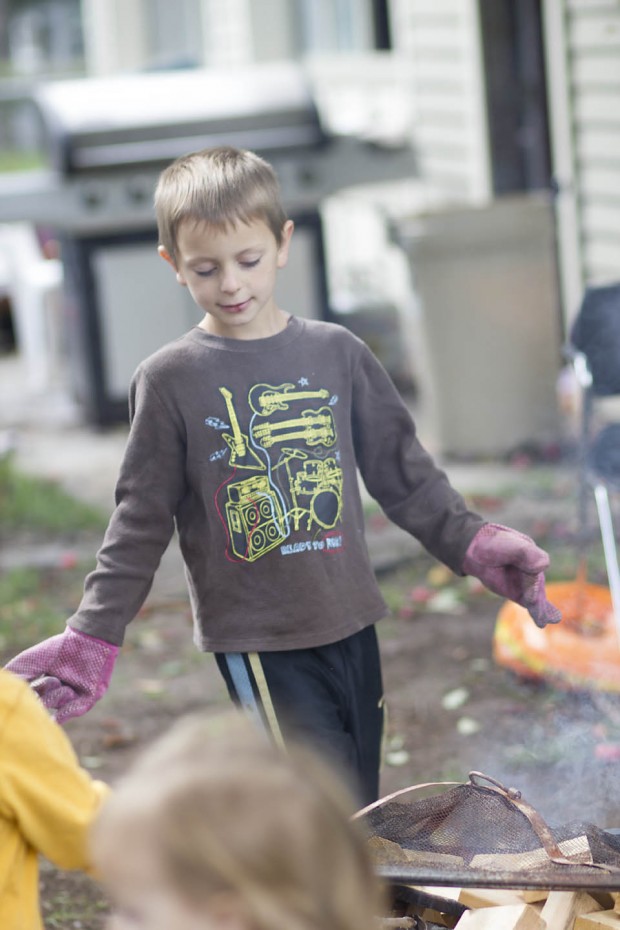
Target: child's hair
225 811
219 186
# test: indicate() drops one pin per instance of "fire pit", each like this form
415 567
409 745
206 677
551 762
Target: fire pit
482 834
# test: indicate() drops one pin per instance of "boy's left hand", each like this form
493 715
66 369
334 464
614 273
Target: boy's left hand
510 564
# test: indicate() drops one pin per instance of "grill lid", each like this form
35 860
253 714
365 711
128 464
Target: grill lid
98 124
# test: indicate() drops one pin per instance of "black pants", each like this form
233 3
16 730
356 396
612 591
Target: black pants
330 697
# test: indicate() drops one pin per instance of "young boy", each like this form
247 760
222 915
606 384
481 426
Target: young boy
247 433
47 802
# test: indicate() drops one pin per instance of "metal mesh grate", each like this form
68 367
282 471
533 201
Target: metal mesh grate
485 834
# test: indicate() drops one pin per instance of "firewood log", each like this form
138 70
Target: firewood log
507 917
489 897
601 920
561 908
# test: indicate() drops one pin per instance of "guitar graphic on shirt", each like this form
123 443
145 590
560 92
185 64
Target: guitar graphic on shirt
314 427
241 455
265 399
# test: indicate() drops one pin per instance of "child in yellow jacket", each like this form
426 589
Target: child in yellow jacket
47 802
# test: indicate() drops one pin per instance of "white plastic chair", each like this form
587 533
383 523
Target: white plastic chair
34 286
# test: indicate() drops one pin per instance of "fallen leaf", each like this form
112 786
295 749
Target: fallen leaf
151 686
479 665
151 641
467 726
452 700
439 575
91 762
607 752
446 602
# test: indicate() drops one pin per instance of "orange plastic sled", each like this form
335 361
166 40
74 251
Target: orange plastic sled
580 652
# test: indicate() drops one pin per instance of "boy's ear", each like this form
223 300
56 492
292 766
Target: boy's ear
285 241
163 252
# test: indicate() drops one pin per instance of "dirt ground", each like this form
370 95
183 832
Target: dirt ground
451 709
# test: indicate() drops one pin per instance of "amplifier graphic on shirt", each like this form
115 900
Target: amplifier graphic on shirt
255 519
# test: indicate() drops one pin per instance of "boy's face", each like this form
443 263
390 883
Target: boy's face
231 275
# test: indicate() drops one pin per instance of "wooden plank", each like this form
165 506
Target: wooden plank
533 895
600 920
562 908
511 917
438 919
576 849
489 897
605 899
525 895
450 893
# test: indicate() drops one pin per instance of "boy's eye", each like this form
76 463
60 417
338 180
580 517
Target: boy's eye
206 273
250 263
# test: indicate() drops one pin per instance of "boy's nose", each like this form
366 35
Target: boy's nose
229 282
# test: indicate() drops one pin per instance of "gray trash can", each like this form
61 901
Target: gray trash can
485 278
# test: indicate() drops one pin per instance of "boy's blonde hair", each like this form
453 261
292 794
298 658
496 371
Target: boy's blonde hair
227 812
219 186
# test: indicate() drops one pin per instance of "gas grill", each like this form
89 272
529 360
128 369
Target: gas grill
108 139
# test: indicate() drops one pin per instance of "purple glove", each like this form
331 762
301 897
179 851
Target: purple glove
69 672
510 564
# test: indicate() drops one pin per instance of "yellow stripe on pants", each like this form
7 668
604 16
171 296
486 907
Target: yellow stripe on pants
265 696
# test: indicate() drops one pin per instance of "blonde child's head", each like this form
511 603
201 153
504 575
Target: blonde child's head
220 187
216 828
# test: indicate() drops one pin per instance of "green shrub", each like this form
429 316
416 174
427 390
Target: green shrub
32 504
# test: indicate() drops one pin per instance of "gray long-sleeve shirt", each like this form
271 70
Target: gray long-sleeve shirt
251 448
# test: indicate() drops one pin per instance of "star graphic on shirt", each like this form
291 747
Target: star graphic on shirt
303 382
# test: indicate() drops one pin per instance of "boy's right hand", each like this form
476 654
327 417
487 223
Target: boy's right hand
70 672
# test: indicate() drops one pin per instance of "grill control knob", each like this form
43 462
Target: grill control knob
92 197
138 191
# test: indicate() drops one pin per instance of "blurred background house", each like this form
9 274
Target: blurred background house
464 275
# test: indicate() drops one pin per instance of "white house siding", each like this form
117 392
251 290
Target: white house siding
583 60
131 35
115 36
442 40
227 34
